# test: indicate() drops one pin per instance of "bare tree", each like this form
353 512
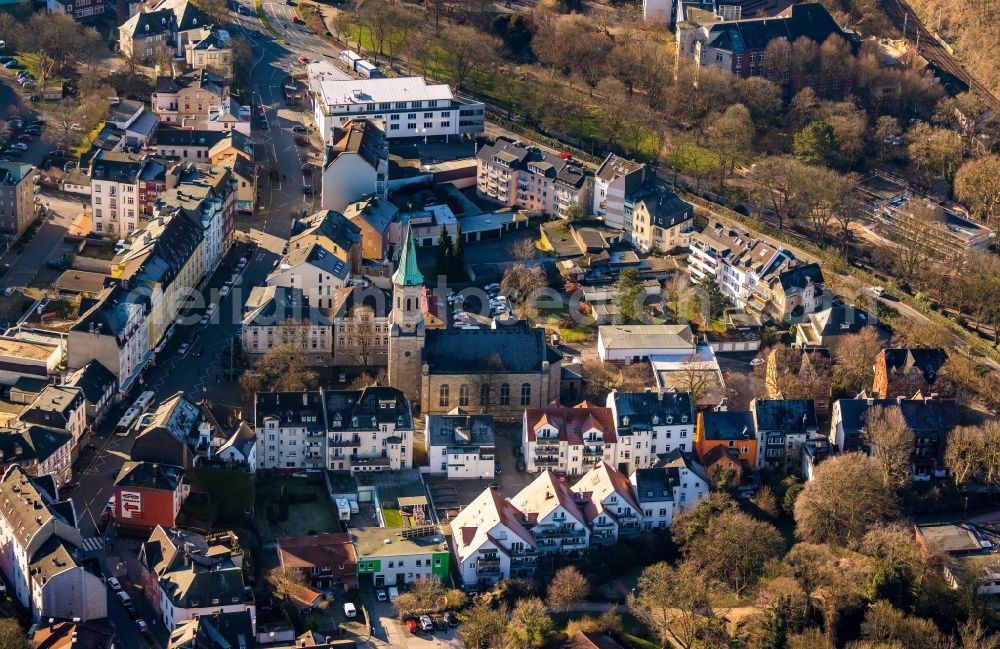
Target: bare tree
467 52
521 283
891 442
523 250
855 357
672 602
735 546
977 182
567 587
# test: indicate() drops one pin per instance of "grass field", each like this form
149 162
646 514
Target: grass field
303 517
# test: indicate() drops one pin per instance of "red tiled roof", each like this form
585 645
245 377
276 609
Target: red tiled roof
573 422
332 550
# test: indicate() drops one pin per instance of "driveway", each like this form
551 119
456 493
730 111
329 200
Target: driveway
389 630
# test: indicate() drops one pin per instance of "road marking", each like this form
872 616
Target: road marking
92 544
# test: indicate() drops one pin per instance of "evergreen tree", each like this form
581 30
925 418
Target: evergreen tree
629 287
457 259
776 625
444 253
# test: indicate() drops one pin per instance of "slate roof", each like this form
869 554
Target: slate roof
150 475
643 410
115 166
921 415
586 640
18 494
215 631
109 312
198 79
678 458
460 351
839 321
374 211
458 428
93 379
810 20
11 173
316 255
364 137
30 443
270 305
235 139
290 408
169 136
656 484
789 416
374 405
666 209
800 277
331 225
728 425
927 361
196 571
170 251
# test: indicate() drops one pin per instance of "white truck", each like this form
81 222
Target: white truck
343 509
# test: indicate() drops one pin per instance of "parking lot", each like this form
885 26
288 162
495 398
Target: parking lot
389 629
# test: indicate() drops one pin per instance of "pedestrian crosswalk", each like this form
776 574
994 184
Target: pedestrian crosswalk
92 544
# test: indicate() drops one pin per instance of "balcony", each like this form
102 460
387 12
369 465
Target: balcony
488 563
488 570
546 461
558 533
340 440
370 461
589 451
316 433
543 445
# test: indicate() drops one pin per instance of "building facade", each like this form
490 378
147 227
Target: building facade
17 197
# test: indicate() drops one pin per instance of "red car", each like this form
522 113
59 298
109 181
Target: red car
411 626
24 137
303 60
295 19
260 109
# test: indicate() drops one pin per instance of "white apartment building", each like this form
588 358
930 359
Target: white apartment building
356 165
460 445
349 430
606 500
204 194
114 199
648 424
114 332
616 183
554 518
491 542
38 543
409 106
676 483
567 440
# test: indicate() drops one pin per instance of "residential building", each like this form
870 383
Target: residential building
783 426
528 177
277 316
815 450
130 123
350 430
724 466
907 215
27 358
71 635
605 498
17 197
84 11
732 430
59 406
905 372
969 553
149 495
648 424
172 435
152 181
713 248
661 221
930 419
114 332
408 105
674 484
320 257
829 327
210 49
39 450
552 515
203 194
567 440
327 562
39 543
460 445
616 182
491 541
390 557
114 196
99 387
424 225
235 152
635 343
738 45
187 145
796 292
356 164
169 26
800 373
186 100
590 640
373 217
185 575
167 260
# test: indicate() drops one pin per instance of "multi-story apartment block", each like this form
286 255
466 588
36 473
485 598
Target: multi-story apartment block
356 165
605 498
661 221
676 483
553 516
39 450
151 181
17 197
730 431
492 542
114 332
528 177
235 152
205 195
460 445
58 406
737 45
80 10
367 430
114 196
648 424
567 440
904 372
408 105
275 316
199 100
616 183
169 25
210 49
39 549
783 426
185 575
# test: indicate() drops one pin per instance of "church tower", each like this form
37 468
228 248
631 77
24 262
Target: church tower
406 334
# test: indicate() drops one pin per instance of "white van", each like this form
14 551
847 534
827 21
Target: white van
354 507
349 609
393 593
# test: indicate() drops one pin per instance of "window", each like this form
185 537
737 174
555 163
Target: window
504 394
463 395
443 396
428 115
411 116
428 124
393 127
525 394
411 125
484 394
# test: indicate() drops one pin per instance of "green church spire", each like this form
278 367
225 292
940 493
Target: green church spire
408 273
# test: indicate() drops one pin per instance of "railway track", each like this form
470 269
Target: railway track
931 49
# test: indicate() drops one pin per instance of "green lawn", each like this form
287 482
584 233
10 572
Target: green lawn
392 517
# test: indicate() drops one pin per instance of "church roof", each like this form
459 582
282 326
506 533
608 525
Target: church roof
408 273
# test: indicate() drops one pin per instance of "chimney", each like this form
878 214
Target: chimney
305 398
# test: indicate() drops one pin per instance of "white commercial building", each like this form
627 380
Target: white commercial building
409 106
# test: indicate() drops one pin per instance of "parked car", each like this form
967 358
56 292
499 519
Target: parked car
124 598
183 349
10 65
224 291
380 595
298 128
303 60
426 625
69 166
521 466
440 624
517 451
204 320
114 584
877 291
757 362
350 610
452 619
496 468
143 628
411 625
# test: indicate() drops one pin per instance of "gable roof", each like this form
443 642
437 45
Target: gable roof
596 485
149 475
571 423
29 443
335 551
926 360
471 526
809 20
545 494
921 415
799 277
640 411
360 136
519 349
94 380
647 337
